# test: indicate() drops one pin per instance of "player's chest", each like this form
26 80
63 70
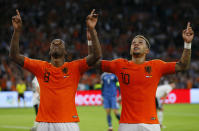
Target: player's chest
137 75
57 75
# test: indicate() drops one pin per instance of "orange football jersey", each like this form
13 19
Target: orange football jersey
138 83
58 87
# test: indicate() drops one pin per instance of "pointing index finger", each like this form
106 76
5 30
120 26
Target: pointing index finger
188 25
92 12
18 12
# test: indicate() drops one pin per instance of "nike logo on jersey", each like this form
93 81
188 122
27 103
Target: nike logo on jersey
124 68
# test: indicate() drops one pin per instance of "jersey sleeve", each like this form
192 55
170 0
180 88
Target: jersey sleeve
109 66
34 66
82 65
166 67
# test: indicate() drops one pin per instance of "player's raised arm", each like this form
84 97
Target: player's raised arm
95 53
97 65
185 59
88 35
14 46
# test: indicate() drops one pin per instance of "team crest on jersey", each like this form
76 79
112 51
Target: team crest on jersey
65 71
148 71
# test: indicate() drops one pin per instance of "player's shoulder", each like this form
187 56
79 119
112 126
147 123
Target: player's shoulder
76 61
121 60
103 74
36 61
156 61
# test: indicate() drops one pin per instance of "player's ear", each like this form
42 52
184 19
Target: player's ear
147 51
50 53
131 52
50 50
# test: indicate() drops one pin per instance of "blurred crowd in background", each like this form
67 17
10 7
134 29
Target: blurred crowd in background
119 21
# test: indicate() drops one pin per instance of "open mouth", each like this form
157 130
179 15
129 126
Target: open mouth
136 48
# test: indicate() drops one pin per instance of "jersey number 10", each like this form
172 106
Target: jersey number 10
125 78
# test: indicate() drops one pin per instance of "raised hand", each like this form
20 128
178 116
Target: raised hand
188 34
88 35
91 20
17 22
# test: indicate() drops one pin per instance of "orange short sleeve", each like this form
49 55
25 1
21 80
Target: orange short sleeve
82 65
34 66
109 66
166 67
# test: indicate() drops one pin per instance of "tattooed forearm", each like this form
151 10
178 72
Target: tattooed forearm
95 49
184 62
89 50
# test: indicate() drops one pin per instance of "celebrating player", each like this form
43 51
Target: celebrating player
109 95
138 80
162 92
58 79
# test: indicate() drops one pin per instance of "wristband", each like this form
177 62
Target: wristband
89 43
187 45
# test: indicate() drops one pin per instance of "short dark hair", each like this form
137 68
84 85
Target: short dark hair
147 41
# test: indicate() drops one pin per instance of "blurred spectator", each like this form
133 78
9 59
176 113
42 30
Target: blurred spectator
21 87
120 20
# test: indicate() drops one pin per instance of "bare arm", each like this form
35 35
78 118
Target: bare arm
90 49
88 35
95 52
185 59
14 46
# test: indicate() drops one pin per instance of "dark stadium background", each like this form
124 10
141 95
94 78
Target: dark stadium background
119 21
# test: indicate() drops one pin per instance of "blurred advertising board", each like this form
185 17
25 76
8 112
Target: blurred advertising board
88 98
10 99
93 98
194 96
178 96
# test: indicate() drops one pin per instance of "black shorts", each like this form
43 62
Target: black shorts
21 95
158 103
36 108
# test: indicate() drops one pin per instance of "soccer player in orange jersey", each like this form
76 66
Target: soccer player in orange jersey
58 79
139 79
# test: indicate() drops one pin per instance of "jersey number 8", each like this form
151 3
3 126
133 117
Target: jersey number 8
46 76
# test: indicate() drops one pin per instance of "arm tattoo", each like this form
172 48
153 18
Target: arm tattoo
184 62
95 48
